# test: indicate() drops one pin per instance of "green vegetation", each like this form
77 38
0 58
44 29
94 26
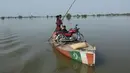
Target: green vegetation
68 16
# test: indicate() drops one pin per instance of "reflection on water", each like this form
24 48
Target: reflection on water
65 64
100 58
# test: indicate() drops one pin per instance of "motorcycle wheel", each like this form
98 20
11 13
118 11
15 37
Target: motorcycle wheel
60 38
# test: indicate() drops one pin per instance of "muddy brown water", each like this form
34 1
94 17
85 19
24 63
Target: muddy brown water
24 47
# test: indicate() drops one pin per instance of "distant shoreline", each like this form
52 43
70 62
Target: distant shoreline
68 16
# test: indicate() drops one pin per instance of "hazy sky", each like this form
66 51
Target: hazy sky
53 7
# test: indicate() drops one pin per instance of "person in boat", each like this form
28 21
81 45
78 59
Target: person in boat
58 22
64 30
58 26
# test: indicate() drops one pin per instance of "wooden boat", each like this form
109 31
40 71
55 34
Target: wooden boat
84 55
80 51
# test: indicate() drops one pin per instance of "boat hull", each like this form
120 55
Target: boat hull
85 57
64 63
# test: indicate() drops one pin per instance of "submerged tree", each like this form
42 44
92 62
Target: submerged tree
51 16
2 18
78 16
68 16
84 16
20 17
47 16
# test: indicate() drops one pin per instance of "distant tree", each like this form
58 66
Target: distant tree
15 17
78 16
51 16
98 15
68 16
2 18
47 16
93 15
20 17
84 16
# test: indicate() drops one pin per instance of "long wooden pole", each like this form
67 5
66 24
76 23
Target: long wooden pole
68 10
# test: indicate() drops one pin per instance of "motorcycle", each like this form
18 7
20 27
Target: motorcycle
72 35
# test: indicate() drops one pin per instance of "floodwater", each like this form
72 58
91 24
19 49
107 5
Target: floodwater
24 47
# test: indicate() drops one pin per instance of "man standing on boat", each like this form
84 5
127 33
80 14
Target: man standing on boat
58 22
58 25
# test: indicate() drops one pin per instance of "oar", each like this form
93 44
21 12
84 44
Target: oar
64 15
51 36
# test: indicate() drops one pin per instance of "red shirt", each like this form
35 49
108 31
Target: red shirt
59 21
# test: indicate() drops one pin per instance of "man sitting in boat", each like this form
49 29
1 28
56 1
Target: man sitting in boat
63 29
64 32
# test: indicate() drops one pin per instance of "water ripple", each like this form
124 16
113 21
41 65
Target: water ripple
10 43
11 51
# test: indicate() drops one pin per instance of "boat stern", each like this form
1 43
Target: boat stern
88 57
